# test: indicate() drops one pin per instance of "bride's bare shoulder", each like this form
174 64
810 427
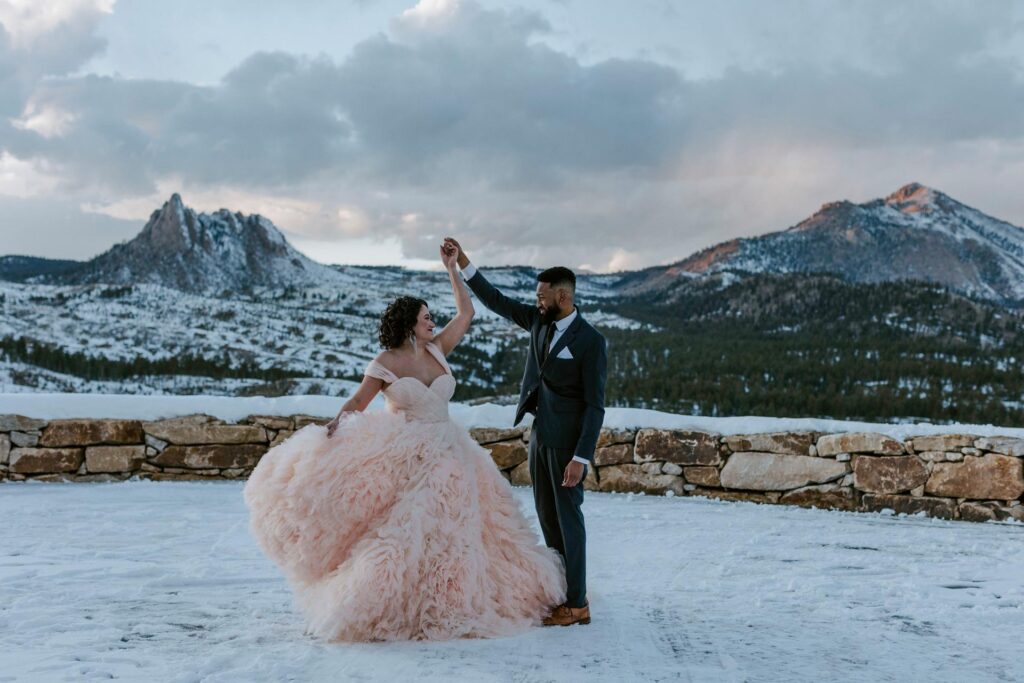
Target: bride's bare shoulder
389 359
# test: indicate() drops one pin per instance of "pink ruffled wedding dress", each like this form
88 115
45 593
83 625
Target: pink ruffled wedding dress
400 527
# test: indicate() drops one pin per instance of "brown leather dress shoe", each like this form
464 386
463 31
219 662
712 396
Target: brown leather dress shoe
563 615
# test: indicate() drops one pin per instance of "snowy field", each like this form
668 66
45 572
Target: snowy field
160 581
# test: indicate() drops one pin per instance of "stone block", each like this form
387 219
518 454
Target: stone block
20 423
24 440
486 435
210 456
702 476
280 438
792 443
520 475
632 479
933 507
270 421
775 472
992 476
943 442
5 448
858 442
186 433
91 433
678 446
971 511
616 454
507 454
825 496
888 473
652 467
611 437
932 456
45 460
114 458
1006 445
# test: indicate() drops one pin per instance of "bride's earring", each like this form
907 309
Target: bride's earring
412 338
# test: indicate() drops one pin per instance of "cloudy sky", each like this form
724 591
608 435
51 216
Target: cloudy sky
601 134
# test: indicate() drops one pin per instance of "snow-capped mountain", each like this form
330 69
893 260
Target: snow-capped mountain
915 233
197 252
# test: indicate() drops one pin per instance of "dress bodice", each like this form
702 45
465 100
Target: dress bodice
408 395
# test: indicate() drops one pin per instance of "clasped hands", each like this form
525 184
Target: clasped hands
449 253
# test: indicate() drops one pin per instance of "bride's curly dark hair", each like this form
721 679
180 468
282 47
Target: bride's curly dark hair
397 321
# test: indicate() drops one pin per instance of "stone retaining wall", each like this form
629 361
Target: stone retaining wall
953 476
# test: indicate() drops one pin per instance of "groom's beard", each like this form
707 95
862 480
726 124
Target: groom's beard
548 316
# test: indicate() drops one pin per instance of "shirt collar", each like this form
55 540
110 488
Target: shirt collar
566 321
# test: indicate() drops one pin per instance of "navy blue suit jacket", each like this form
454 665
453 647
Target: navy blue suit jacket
565 395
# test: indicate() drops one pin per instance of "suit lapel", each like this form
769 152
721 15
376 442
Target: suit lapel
564 340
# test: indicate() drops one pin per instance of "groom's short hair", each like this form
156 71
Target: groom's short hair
559 276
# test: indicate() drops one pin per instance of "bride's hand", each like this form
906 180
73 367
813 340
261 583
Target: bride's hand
449 256
332 426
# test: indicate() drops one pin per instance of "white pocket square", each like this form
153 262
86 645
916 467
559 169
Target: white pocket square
564 353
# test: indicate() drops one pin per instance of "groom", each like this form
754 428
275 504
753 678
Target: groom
563 387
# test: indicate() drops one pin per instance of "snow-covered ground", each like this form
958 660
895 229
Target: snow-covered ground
233 409
160 581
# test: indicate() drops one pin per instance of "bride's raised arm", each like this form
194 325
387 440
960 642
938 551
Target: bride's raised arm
452 334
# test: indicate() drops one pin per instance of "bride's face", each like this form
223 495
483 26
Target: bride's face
424 325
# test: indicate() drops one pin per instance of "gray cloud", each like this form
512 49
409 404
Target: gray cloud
475 124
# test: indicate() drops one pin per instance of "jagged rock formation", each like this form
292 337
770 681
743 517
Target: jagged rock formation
184 250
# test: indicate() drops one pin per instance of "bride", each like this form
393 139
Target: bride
396 525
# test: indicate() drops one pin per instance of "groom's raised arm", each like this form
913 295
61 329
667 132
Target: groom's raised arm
521 314
510 309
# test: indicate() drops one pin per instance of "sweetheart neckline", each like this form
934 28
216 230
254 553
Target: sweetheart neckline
421 382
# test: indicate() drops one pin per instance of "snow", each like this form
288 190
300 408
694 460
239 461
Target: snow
325 330
161 581
51 406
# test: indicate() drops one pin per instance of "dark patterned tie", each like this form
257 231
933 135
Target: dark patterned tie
547 342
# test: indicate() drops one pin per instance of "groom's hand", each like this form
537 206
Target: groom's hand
573 473
463 260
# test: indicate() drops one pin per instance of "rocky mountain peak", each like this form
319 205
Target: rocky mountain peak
192 251
914 198
171 227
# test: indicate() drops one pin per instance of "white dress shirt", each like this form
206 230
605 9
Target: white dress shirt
560 326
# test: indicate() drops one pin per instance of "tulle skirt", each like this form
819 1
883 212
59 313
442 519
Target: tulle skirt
400 530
